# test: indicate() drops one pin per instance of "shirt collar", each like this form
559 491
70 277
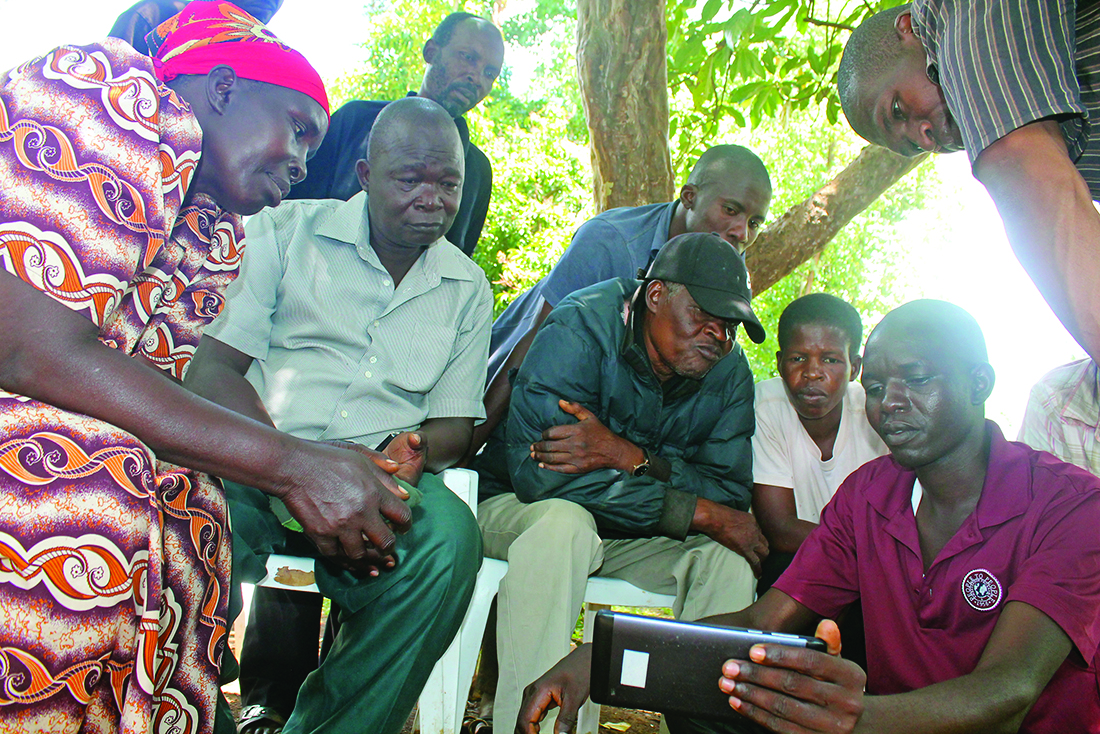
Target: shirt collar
1006 491
660 235
349 223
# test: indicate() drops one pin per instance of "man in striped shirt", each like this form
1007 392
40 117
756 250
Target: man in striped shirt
1012 82
358 322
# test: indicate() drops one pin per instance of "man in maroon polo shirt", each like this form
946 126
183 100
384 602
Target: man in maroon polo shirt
977 562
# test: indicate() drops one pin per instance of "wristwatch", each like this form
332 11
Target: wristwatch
641 469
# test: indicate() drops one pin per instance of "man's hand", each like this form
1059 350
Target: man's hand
409 450
346 502
584 446
565 685
795 690
734 529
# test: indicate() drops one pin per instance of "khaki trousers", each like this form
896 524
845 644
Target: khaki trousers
552 548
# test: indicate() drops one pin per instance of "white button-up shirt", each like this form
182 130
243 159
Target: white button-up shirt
338 352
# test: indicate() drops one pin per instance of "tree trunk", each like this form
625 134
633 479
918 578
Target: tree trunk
806 228
621 66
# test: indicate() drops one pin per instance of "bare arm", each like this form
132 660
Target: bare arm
498 395
217 373
1021 657
52 354
775 510
1051 222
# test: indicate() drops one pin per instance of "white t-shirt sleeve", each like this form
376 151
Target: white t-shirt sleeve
772 463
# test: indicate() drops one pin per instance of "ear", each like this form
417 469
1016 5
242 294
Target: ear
221 84
857 365
779 360
362 172
653 292
687 196
903 24
431 50
982 379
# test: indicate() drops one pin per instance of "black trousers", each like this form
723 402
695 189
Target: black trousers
280 647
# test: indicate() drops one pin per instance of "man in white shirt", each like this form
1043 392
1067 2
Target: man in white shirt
358 322
811 429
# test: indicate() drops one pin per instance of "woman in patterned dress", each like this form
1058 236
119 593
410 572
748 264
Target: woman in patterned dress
121 178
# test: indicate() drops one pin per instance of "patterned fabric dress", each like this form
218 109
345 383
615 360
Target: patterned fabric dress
114 567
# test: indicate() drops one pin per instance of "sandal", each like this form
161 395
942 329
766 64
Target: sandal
474 725
257 719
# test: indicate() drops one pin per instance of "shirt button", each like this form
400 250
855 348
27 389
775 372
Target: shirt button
343 414
367 374
375 324
373 360
385 282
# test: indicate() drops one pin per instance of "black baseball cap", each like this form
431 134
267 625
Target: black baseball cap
714 274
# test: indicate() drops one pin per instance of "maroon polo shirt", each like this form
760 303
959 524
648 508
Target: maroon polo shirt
1034 537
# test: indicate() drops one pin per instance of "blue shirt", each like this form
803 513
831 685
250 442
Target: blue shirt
613 244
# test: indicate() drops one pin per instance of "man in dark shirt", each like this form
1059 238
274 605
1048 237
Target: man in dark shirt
464 58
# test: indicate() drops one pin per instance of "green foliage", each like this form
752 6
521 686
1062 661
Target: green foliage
393 62
751 63
757 74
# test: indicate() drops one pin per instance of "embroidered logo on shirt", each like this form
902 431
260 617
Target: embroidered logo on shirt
981 589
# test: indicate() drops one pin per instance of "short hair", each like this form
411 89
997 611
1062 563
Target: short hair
446 28
870 52
952 325
826 310
731 157
419 112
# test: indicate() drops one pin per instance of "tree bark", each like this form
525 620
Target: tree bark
805 229
621 67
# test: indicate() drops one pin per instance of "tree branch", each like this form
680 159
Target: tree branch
829 24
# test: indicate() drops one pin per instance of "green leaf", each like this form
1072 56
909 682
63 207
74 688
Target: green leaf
752 63
703 91
738 26
710 9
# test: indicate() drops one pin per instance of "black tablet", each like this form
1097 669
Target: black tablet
670 666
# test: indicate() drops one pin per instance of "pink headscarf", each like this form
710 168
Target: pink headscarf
207 33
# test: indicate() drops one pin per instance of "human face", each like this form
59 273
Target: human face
414 186
904 110
732 206
256 144
461 74
681 338
922 402
816 370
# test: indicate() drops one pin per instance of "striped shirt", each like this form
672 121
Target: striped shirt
339 352
1063 415
1003 64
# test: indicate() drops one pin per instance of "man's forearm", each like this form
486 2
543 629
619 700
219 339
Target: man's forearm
1051 222
447 440
217 373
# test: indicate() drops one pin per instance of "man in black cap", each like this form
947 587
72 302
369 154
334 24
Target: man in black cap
626 452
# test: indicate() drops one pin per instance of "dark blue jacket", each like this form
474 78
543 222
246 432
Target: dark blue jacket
589 351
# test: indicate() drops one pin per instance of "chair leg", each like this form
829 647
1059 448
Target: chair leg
588 719
443 701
